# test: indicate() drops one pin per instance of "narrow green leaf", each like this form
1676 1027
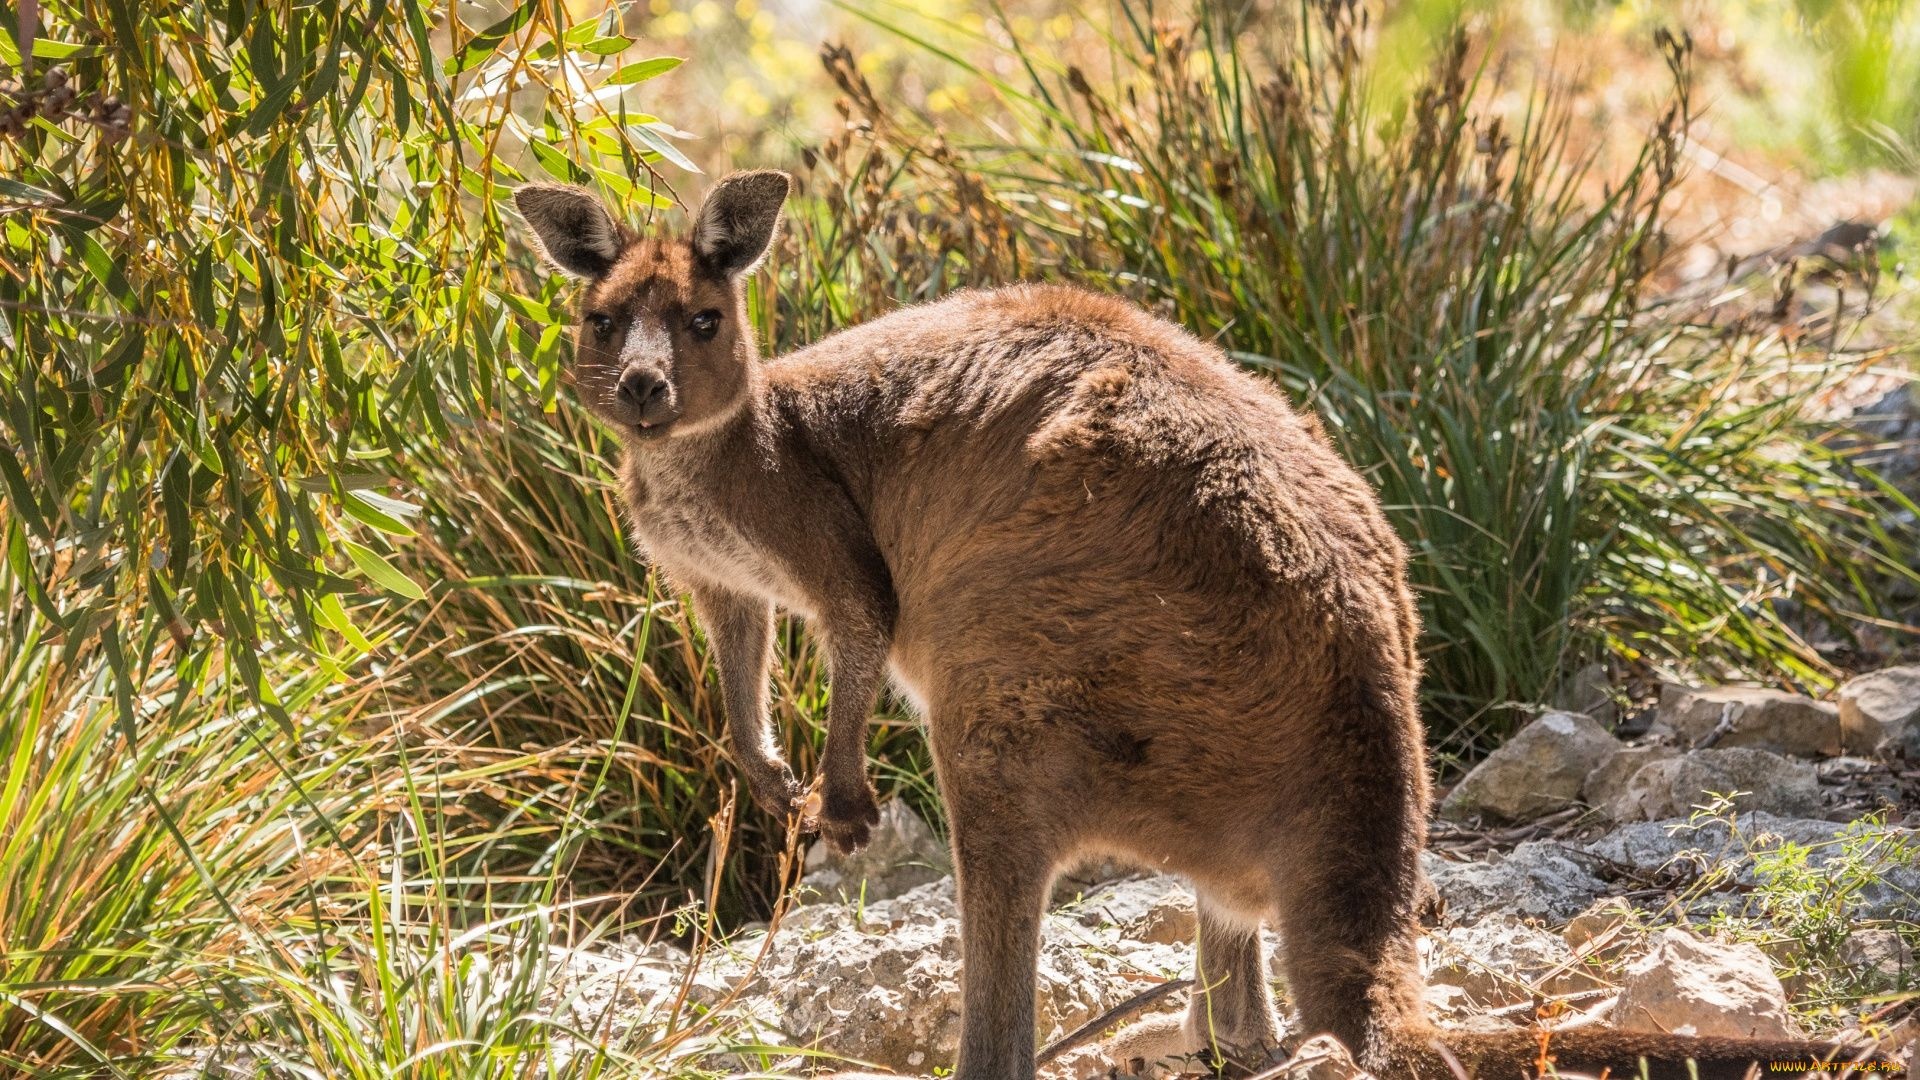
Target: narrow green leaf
381 572
653 140
608 46
333 613
361 506
487 40
644 70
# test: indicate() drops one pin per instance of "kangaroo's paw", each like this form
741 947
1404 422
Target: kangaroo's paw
774 788
1158 1046
1164 1046
847 816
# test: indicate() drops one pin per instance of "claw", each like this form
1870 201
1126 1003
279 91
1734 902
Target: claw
808 805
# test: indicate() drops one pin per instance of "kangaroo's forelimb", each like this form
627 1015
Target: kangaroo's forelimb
740 629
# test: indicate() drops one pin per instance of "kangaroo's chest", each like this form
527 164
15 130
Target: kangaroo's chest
698 545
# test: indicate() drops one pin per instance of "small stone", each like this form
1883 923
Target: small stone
1843 769
1690 986
1537 771
1750 716
1170 921
1878 958
1125 903
1650 848
1604 916
1880 713
1447 998
1537 880
1505 962
1606 784
1590 692
1758 780
881 982
1892 422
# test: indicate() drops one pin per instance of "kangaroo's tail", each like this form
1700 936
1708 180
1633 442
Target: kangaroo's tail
1625 1055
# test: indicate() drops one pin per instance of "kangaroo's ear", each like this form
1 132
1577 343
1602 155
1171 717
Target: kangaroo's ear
571 227
736 223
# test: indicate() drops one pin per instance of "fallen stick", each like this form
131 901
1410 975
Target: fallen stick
1126 1010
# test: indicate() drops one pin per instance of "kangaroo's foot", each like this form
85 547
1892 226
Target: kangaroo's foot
1165 1046
1155 1046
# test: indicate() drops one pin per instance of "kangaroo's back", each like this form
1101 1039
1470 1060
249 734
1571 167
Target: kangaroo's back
1047 422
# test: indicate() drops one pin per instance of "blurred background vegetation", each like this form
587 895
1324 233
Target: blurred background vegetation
331 698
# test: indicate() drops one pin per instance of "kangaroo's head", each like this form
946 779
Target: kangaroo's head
662 345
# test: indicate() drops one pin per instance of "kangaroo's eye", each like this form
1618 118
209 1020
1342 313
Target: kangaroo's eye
705 325
602 325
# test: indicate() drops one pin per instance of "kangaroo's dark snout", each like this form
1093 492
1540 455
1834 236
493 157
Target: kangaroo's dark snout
641 389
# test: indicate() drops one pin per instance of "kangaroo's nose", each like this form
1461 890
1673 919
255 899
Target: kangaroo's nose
640 389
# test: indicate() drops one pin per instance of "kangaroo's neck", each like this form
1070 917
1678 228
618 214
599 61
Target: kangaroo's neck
721 451
753 503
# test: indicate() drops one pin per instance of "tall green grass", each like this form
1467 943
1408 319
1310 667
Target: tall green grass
1583 468
202 890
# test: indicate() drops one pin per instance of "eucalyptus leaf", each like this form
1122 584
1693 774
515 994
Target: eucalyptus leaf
381 572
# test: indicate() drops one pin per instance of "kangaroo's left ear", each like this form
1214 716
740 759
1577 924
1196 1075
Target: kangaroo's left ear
736 223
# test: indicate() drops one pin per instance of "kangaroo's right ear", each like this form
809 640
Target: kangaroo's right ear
570 227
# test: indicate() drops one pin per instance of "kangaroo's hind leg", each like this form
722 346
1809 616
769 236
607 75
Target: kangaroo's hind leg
1002 899
1231 1011
1004 855
1350 892
1230 1026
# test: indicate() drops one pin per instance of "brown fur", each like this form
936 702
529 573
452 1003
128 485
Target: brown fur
1144 607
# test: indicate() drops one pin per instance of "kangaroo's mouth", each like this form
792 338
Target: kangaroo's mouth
653 429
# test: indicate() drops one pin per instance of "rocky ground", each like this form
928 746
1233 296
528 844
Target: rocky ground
1581 883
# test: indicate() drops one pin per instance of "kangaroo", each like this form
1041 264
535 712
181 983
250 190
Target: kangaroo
1141 603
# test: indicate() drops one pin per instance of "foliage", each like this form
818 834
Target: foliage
219 891
1582 467
253 263
1801 902
1869 63
1813 902
226 325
